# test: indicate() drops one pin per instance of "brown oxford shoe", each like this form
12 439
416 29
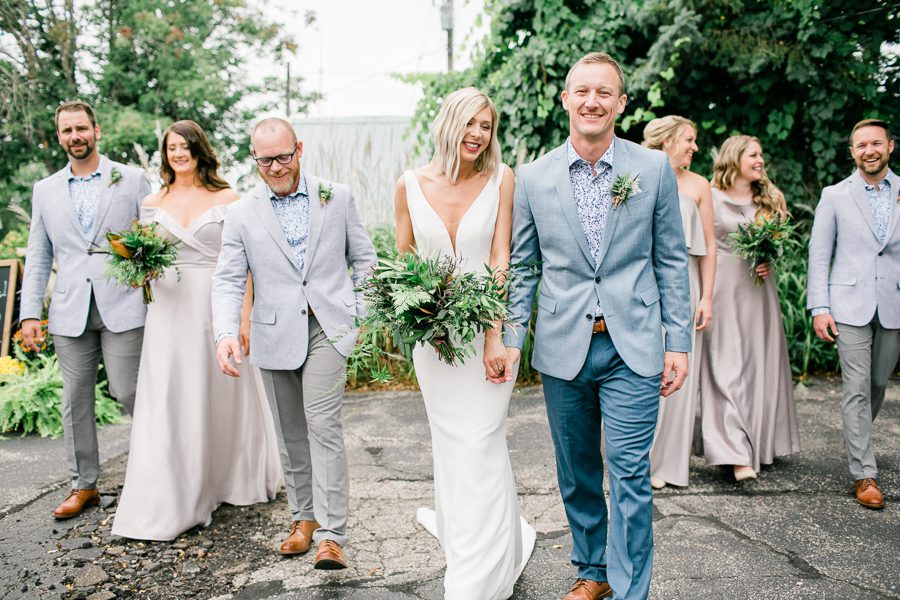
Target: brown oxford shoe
330 556
588 589
300 539
868 494
77 501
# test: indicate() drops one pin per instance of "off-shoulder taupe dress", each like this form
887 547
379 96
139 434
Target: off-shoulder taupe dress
746 393
671 452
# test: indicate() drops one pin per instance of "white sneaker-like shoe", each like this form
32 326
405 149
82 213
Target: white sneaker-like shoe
657 484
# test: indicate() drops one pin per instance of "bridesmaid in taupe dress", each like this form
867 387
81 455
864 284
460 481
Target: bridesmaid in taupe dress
746 392
671 451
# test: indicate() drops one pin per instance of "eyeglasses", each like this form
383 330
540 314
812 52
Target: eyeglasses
283 159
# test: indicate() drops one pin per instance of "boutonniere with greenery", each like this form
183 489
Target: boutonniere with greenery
115 176
325 194
625 187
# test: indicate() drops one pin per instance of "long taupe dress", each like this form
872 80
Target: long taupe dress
199 438
671 452
746 393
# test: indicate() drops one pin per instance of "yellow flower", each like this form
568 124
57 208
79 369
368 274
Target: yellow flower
11 366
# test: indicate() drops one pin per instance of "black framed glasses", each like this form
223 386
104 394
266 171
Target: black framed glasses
283 159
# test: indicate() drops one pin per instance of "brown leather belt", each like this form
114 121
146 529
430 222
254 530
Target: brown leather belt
599 325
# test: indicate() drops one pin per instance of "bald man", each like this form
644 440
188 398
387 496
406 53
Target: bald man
302 239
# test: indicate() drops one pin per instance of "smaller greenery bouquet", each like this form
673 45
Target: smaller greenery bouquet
412 300
763 241
138 255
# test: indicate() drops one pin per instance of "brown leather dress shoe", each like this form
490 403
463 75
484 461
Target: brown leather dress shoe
588 589
330 556
77 501
300 539
868 494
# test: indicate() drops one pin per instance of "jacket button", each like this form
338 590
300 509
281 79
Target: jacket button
589 317
88 279
303 312
881 253
304 283
597 279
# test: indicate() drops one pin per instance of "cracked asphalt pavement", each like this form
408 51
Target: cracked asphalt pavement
794 533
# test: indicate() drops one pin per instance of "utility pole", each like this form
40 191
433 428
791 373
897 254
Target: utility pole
287 91
447 25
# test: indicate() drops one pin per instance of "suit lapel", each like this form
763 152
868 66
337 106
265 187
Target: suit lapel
563 182
858 192
266 213
316 220
621 166
69 207
106 191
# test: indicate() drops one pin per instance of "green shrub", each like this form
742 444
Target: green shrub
29 403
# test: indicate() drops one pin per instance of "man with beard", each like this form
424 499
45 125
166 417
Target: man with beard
298 235
854 259
89 317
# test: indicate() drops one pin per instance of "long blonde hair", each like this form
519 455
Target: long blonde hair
727 166
449 128
664 129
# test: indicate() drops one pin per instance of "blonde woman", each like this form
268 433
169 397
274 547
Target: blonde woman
671 451
746 393
461 205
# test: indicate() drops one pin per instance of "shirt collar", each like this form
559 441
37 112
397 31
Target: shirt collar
884 183
72 177
302 190
607 157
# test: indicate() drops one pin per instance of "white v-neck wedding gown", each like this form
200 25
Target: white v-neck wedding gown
476 518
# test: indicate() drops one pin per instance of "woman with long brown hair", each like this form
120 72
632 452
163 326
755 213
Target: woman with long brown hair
746 393
198 438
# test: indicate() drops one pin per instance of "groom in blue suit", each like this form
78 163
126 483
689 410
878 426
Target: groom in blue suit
597 236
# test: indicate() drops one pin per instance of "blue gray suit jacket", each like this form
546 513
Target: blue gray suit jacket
850 271
57 234
641 279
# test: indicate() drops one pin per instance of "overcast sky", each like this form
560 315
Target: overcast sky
353 48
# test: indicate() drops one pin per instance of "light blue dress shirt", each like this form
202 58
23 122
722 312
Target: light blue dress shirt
85 195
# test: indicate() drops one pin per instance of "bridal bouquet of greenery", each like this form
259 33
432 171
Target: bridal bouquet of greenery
763 241
138 255
412 299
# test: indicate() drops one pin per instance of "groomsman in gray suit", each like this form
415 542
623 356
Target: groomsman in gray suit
854 290
304 243
599 218
90 316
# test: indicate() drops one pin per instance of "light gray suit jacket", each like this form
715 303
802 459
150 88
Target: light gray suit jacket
56 233
850 271
252 239
641 280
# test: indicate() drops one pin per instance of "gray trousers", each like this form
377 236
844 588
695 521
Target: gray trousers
306 406
78 359
868 356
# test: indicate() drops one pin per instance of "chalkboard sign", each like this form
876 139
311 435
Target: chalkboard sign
9 285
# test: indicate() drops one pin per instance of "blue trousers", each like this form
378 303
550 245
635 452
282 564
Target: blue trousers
607 391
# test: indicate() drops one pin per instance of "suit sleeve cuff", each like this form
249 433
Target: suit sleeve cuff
222 336
820 310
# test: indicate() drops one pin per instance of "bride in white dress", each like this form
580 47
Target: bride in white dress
461 205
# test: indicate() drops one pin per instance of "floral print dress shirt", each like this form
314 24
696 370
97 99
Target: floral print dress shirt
293 215
880 201
593 196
